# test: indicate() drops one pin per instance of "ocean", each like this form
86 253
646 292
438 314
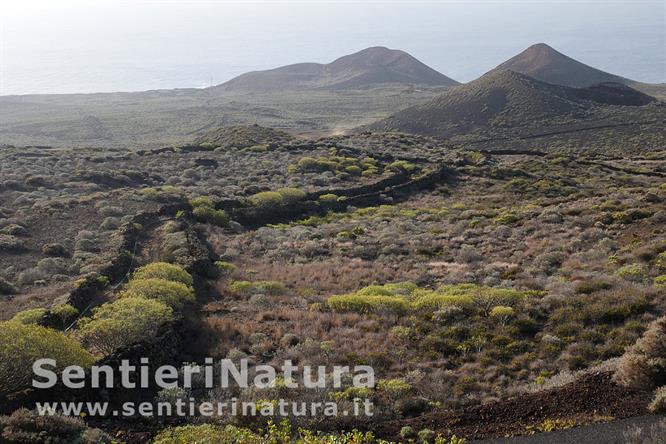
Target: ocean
83 47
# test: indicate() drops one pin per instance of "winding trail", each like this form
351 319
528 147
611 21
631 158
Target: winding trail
601 433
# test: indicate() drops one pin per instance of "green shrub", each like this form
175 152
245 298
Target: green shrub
353 170
632 272
369 303
32 316
314 165
21 345
402 297
502 313
352 393
174 294
274 434
225 267
660 262
310 164
399 288
202 201
401 166
432 301
631 215
291 195
660 281
206 434
208 214
426 436
267 199
506 218
395 386
330 197
123 322
407 432
66 313
164 270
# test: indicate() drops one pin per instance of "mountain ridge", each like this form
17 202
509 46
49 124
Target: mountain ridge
369 67
506 99
545 63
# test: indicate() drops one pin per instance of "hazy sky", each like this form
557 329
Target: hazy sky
66 46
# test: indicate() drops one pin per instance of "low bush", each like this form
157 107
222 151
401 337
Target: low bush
110 223
21 345
632 272
394 386
25 426
7 288
330 197
14 230
206 434
66 313
337 164
502 313
644 363
401 166
174 294
659 281
32 316
55 250
166 193
658 404
506 218
369 303
204 211
275 199
426 436
407 432
291 195
433 301
403 297
591 286
11 244
660 262
164 270
274 434
314 165
225 267
123 322
266 199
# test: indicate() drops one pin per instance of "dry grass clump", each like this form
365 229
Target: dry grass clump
644 364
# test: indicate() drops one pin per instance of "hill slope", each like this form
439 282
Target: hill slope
546 64
242 136
371 66
502 100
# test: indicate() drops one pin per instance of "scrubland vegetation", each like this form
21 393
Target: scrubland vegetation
503 275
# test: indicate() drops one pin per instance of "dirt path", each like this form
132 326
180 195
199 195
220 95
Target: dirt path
592 396
603 433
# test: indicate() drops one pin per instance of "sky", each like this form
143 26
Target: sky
98 46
